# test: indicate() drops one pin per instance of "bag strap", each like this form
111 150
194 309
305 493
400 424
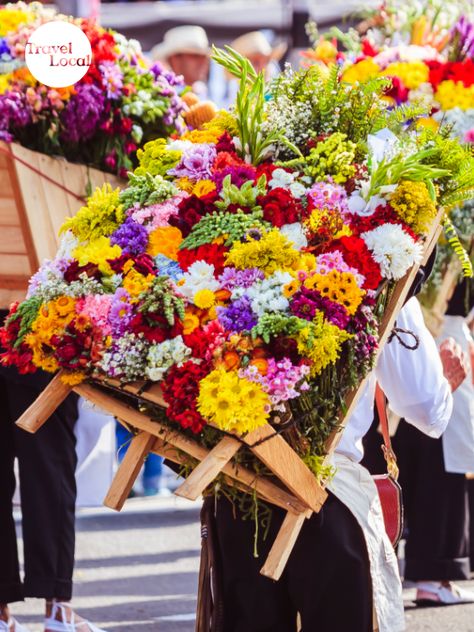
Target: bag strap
389 454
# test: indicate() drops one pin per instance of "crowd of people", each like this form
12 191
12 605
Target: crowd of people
431 393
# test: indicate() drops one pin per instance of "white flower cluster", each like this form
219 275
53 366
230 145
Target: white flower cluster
200 276
164 355
284 180
462 121
295 234
267 296
126 359
393 249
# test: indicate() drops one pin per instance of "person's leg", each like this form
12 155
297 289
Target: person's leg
437 546
251 602
328 573
152 474
47 462
11 588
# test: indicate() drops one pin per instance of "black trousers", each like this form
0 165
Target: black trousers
326 580
47 461
436 510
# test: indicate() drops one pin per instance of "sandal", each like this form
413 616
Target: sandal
62 624
442 594
12 625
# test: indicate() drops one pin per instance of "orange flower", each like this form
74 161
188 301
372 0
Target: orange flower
165 240
231 360
190 323
261 364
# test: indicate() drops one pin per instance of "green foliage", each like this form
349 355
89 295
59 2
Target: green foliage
270 325
160 299
456 245
233 225
146 190
244 197
27 312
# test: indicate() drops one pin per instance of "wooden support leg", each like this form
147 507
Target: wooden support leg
45 405
128 470
204 473
283 545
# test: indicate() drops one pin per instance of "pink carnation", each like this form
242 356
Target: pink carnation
335 261
96 307
157 215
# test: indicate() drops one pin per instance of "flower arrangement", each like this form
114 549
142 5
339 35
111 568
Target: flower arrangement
426 49
247 265
120 104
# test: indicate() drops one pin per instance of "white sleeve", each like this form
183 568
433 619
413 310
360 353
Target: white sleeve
413 381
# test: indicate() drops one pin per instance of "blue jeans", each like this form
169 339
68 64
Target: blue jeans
153 464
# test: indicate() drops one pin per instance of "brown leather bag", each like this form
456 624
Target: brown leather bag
390 492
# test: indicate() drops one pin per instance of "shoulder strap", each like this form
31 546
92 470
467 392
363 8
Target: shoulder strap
389 454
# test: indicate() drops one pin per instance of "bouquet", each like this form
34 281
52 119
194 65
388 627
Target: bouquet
120 104
427 51
247 266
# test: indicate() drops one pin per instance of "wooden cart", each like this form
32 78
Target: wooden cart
37 192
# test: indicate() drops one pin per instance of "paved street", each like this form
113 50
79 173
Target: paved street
137 570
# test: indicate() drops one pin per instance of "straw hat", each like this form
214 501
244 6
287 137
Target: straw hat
255 43
182 39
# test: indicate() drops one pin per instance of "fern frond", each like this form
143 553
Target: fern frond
456 245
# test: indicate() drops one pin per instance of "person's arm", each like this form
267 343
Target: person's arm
413 380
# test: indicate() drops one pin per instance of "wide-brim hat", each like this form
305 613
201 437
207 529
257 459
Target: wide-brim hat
182 39
255 43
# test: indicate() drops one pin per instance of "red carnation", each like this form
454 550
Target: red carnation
211 253
358 256
280 207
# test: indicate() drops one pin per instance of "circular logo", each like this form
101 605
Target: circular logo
58 54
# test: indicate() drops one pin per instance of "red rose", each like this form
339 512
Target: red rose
280 207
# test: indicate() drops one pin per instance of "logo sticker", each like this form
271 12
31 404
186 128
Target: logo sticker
58 54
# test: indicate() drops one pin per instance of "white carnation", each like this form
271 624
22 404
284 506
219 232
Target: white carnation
295 234
393 249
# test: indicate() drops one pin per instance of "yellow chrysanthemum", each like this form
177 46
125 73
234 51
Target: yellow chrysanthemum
165 240
361 71
340 287
98 251
101 216
5 82
185 185
11 19
413 204
412 73
222 122
202 136
321 342
232 403
204 299
190 323
428 122
136 283
65 305
203 187
270 251
451 94
291 288
72 378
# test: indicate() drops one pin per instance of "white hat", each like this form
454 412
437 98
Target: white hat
182 39
255 43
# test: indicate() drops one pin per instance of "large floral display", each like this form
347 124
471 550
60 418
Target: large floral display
121 103
247 265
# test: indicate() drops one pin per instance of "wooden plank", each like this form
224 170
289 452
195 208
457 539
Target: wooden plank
15 265
12 241
57 200
264 487
6 188
151 393
21 211
8 212
283 545
128 470
207 470
45 405
283 461
9 296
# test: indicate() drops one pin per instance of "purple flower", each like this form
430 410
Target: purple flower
463 37
306 303
239 174
112 79
238 316
15 112
82 115
131 237
196 162
232 278
120 313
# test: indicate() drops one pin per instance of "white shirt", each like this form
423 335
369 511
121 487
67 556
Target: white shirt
413 382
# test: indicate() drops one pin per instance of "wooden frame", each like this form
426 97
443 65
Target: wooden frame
37 193
295 488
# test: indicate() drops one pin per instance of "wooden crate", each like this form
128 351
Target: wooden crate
37 192
294 487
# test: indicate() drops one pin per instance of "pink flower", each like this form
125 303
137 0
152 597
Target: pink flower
96 307
157 215
469 136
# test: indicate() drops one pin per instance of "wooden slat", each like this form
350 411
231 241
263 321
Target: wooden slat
283 545
12 241
57 200
6 188
45 405
9 296
15 265
8 212
122 411
207 470
128 470
283 461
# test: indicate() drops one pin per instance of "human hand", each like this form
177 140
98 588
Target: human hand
454 362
